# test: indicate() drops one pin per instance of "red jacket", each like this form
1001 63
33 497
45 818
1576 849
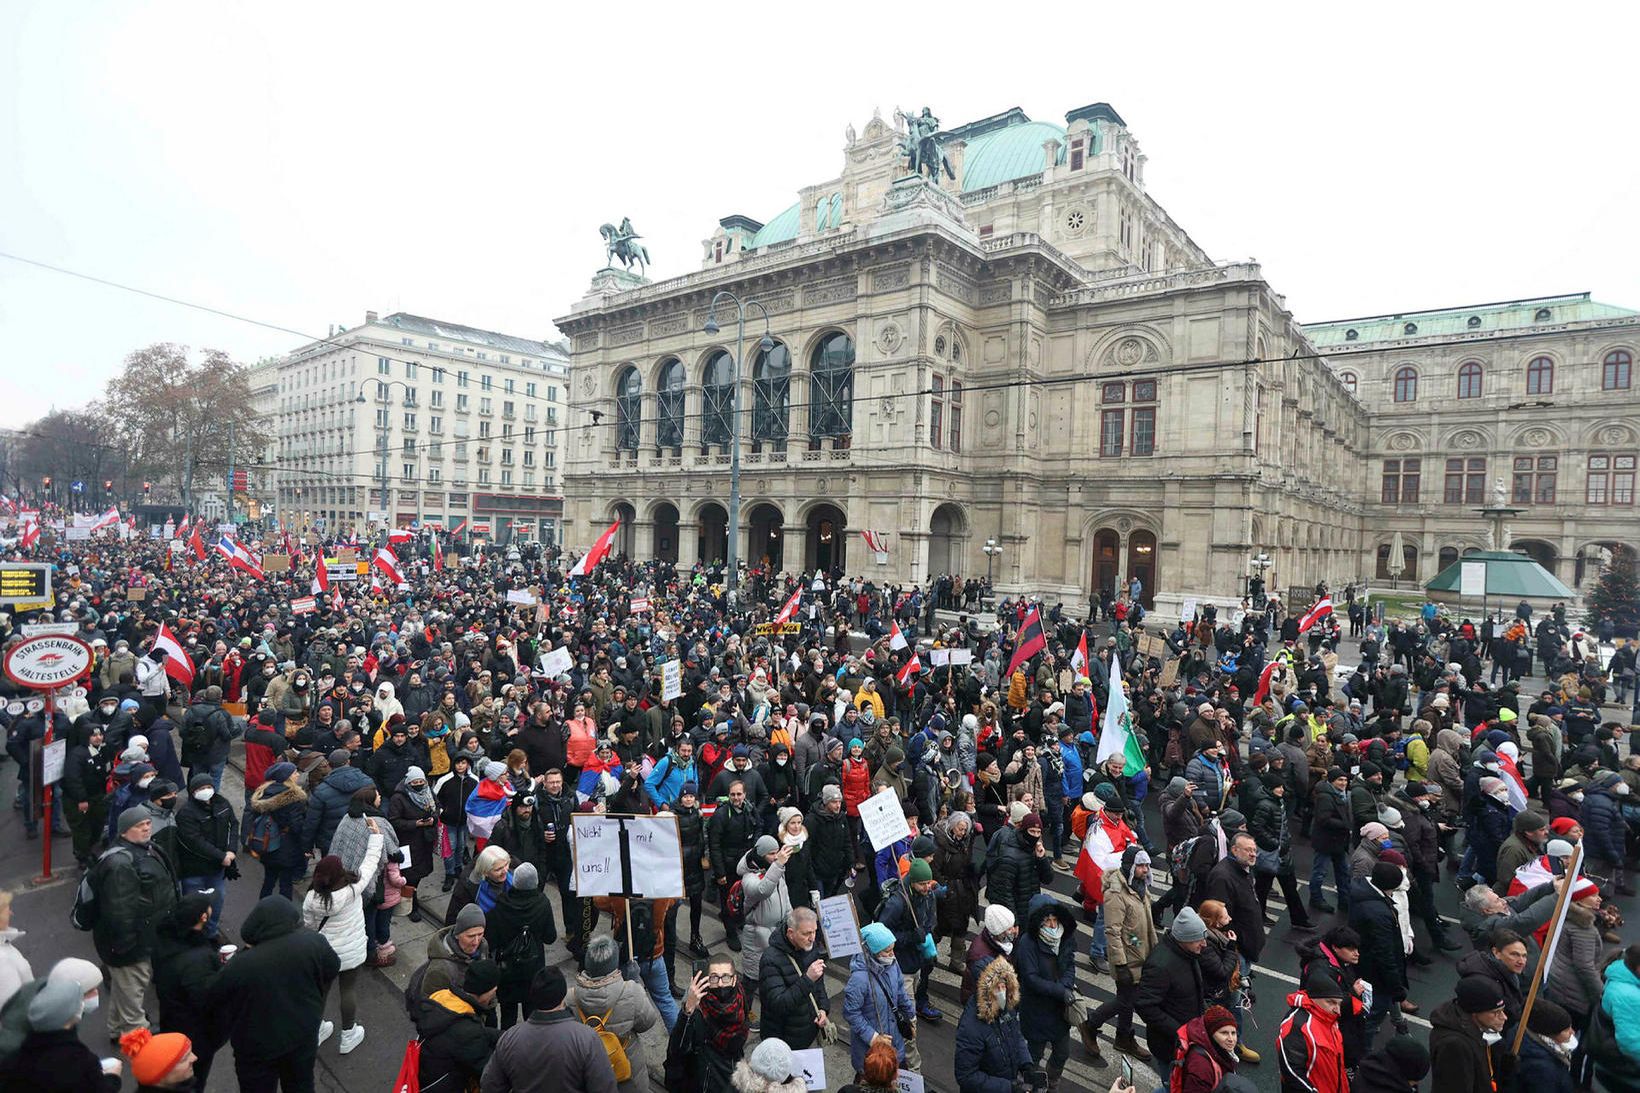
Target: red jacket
1311 1049
856 784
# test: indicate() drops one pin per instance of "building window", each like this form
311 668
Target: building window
410 370
1110 433
1351 381
1615 370
461 379
486 382
529 434
461 404
1540 376
1076 155
1535 479
1465 481
486 406
438 374
1144 390
409 422
718 397
507 386
383 366
1401 481
1611 479
1406 384
936 412
436 399
529 390
1469 379
1410 328
956 415
1351 334
771 396
1113 392
669 433
483 429
1474 322
831 388
1541 315
435 424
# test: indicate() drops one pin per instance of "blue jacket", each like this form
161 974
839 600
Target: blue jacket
989 1054
1206 780
874 1002
1603 827
666 781
328 804
1540 1071
1491 826
1046 978
1073 770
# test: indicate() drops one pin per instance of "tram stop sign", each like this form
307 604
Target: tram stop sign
47 662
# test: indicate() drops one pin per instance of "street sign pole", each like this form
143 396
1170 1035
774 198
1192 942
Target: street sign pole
45 788
46 663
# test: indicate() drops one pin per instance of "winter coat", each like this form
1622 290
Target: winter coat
451 793
1047 976
1621 1002
787 996
1528 911
730 833
1483 963
911 916
1203 1063
447 962
288 806
1313 955
552 1052
207 729
387 764
692 838
831 853
1603 827
746 1080
954 867
1574 979
135 889
991 1048
767 904
1268 824
626 1010
1232 884
1331 827
1015 874
1181 816
206 833
1310 1050
856 784
1460 1061
1540 1070
341 922
455 1045
327 804
1383 958
874 1003
54 1061
515 910
1130 931
268 1000
1487 831
402 813
14 968
185 965
1170 993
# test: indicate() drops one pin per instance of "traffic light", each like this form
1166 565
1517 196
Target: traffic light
108 485
147 489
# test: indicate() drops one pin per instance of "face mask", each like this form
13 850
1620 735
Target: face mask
1566 1046
1501 798
144 783
1577 796
204 795
724 994
1491 1037
1050 935
1006 946
1423 806
1489 766
1002 998
107 711
781 761
885 959
1621 789
1385 844
92 1001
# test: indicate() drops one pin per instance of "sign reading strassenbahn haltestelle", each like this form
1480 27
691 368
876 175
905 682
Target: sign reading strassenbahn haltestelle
47 662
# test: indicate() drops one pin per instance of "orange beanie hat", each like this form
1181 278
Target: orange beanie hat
152 1057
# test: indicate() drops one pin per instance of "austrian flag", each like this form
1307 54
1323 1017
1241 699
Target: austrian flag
912 667
1318 611
787 612
177 664
599 551
388 562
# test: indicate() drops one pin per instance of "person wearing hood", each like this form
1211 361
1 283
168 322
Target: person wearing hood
619 1005
997 936
413 812
1207 1050
1045 958
455 1043
875 1002
186 964
518 929
1619 1007
328 802
1130 937
1465 1038
762 872
334 908
1309 1048
991 1051
1604 831
955 866
1489 826
284 802
133 782
53 1059
1402 1063
269 1000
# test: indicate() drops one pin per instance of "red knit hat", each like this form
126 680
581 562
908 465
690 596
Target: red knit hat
153 1057
1562 824
1216 1018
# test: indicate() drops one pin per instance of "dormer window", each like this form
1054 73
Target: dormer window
1351 334
1474 322
1410 328
1076 154
1542 315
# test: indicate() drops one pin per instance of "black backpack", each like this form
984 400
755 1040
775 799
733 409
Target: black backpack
643 930
521 951
83 915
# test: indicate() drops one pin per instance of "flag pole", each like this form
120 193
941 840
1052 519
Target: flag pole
1556 923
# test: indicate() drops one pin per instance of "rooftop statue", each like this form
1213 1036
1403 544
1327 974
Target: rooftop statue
622 243
921 147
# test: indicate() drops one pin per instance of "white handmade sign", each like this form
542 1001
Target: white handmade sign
656 850
651 846
640 605
961 656
671 680
909 1081
521 596
1187 610
810 1065
557 662
883 817
840 927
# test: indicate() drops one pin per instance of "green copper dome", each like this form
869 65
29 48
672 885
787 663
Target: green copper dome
781 229
1003 155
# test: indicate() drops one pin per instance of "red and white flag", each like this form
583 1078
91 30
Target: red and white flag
438 554
400 535
459 528
107 519
599 551
1263 691
789 611
321 575
388 562
177 664
197 543
240 558
182 526
1079 659
336 599
1102 850
912 667
1318 611
876 541
896 640
31 535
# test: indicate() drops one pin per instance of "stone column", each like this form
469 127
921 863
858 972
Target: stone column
643 540
793 542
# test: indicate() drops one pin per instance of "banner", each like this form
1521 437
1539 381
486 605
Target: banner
671 680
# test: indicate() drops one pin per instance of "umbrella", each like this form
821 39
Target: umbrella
1397 557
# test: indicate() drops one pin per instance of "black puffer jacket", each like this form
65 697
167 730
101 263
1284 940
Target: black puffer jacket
692 836
135 890
1383 959
185 966
206 833
505 924
1170 994
1015 873
788 996
830 852
730 834
455 1045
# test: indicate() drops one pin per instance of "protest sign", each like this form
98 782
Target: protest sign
522 596
671 680
810 1065
640 605
557 662
303 605
883 817
839 926
276 563
961 656
909 1081
939 658
637 857
1170 672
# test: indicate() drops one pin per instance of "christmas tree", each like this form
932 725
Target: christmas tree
1616 596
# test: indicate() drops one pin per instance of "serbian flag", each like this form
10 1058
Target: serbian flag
485 806
386 561
238 557
786 613
599 551
912 667
1318 611
1029 641
107 519
321 575
438 554
896 640
1079 659
400 535
1264 678
1107 837
177 664
197 544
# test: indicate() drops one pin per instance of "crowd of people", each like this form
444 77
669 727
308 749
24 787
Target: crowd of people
399 736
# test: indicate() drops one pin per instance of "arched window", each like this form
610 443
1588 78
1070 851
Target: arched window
1540 376
1615 370
669 424
1406 384
718 389
831 388
1541 315
1469 379
772 384
1350 380
628 409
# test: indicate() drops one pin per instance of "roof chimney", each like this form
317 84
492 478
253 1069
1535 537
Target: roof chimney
370 316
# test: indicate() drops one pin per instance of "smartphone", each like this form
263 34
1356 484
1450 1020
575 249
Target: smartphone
1127 1072
700 967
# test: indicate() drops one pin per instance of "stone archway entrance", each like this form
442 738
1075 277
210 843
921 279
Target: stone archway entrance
945 533
712 534
666 532
767 538
825 539
1107 561
1142 564
1544 554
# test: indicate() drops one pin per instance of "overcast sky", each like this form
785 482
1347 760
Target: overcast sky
300 163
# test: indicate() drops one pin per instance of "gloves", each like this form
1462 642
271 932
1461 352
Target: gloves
1123 974
1505 1066
929 949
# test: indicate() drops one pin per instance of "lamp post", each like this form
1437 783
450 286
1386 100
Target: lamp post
766 343
992 550
1261 562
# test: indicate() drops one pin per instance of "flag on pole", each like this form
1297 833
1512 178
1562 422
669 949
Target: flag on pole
788 612
876 541
336 598
107 519
438 554
182 526
1318 611
1079 659
1264 677
896 640
197 544
239 558
599 551
1510 769
177 664
400 535
1548 935
321 575
31 535
1101 851
912 667
388 562
1028 642
1116 735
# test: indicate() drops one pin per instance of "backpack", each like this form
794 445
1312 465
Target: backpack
643 930
262 835
521 950
614 1047
1175 1080
414 993
83 915
1178 859
734 902
196 736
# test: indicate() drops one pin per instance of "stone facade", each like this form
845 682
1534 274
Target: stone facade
1035 358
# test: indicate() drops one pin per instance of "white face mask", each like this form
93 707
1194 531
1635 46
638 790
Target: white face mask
1569 1045
781 761
1621 789
1576 796
885 958
1006 946
144 783
1491 1037
92 1001
1051 935
1002 998
204 795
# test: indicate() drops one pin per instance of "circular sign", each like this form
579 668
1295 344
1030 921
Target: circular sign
48 661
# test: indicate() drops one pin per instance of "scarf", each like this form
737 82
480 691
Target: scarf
487 893
726 1023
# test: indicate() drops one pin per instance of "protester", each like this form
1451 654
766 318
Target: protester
333 907
456 1045
552 1052
53 1059
283 803
792 983
1308 1044
605 1000
707 1043
166 1061
1465 1038
991 1049
875 1002
518 930
186 964
1207 1050
135 889
1170 992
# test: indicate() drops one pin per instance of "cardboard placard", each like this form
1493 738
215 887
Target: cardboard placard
347 555
671 680
640 605
521 596
136 593
303 605
557 662
1170 673
276 563
839 926
883 817
654 852
939 658
810 1065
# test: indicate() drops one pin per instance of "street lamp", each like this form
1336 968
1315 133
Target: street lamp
765 343
1261 562
992 550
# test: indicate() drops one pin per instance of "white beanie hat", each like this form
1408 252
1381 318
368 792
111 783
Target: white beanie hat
998 920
